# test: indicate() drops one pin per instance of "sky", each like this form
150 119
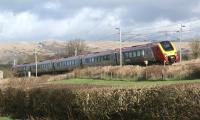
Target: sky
36 20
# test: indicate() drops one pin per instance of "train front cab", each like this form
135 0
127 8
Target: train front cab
169 52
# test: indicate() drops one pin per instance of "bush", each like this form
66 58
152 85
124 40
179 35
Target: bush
55 102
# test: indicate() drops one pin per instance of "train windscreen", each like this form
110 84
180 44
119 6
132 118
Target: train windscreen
167 46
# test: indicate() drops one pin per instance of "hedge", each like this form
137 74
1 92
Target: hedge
166 102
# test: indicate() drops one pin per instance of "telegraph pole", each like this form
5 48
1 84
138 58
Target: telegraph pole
180 51
120 40
36 70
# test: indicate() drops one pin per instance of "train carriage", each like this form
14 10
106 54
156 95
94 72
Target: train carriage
137 55
158 52
22 70
42 67
67 64
165 52
100 58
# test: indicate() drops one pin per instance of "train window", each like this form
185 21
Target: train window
142 52
167 46
104 58
138 53
134 53
87 60
108 57
95 59
130 54
92 59
98 59
126 55
101 58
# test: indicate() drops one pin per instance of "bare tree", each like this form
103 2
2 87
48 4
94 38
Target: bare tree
195 47
75 47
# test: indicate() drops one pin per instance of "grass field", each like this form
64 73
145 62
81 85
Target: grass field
4 118
123 83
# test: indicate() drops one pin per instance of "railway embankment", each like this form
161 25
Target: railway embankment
179 71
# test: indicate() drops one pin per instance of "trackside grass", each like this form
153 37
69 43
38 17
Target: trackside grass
4 118
123 83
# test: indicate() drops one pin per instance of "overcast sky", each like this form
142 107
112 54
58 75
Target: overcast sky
26 20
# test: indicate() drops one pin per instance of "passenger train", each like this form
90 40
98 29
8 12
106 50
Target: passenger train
154 53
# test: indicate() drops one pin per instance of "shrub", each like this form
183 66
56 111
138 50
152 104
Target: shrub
55 102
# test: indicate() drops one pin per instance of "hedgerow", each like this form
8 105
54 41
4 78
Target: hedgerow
58 102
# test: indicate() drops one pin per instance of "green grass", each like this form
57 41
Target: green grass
123 83
5 118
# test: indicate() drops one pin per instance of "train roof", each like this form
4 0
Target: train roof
100 53
65 59
137 47
21 65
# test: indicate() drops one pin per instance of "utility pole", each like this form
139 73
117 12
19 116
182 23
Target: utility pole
180 51
36 70
76 51
14 62
120 40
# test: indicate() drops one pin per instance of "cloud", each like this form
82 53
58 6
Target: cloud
86 23
68 19
52 5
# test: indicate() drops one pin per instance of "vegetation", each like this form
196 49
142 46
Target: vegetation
5 118
132 73
75 47
6 68
195 47
58 102
114 83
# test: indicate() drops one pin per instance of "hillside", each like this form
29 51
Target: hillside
18 50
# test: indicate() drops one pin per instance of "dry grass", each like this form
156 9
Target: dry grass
23 83
184 70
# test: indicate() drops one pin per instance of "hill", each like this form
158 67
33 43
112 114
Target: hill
19 50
